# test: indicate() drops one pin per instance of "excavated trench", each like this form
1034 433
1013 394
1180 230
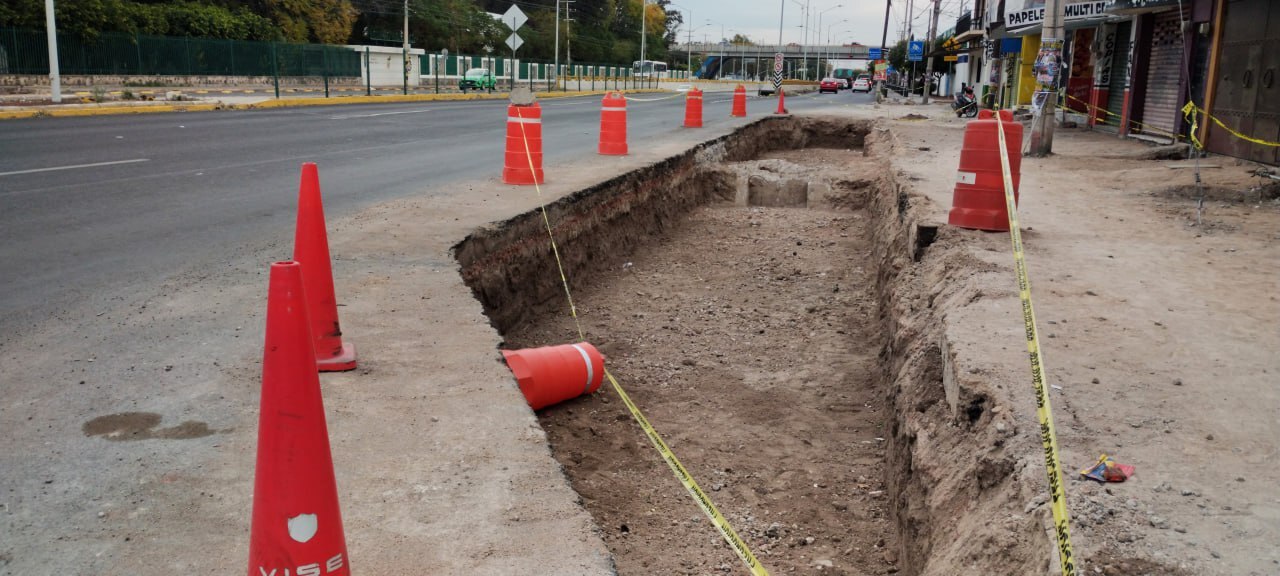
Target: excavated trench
768 300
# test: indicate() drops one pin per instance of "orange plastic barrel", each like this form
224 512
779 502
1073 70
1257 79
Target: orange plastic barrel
553 374
739 102
978 200
524 145
613 124
693 109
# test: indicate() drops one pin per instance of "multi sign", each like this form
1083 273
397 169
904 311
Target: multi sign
777 70
1023 15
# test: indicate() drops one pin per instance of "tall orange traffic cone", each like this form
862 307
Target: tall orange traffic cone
782 98
613 124
311 249
693 108
297 523
739 102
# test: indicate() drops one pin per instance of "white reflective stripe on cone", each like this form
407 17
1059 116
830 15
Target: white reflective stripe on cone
591 373
519 120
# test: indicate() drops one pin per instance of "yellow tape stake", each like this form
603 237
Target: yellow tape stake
1048 436
739 546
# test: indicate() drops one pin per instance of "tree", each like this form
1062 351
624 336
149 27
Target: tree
898 56
740 40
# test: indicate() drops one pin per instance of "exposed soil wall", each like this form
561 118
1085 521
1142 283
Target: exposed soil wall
956 472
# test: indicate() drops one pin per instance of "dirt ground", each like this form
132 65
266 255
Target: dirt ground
1160 333
746 334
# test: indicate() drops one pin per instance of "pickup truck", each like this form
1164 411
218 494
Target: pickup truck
477 79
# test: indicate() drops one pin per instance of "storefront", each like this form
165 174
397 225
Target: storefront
1159 70
1244 88
1023 20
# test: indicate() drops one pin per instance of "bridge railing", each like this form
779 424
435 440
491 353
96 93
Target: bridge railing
852 51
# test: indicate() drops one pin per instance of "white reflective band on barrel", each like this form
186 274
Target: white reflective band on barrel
622 106
591 373
519 120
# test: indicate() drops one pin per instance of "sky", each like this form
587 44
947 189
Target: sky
853 21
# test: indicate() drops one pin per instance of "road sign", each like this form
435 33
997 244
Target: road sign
514 40
514 18
777 62
915 50
873 53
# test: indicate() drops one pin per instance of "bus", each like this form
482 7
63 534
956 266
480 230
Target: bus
650 68
846 74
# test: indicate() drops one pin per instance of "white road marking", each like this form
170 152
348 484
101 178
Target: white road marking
380 114
73 167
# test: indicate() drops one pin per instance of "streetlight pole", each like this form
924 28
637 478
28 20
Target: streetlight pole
644 5
406 47
820 22
828 43
804 35
555 68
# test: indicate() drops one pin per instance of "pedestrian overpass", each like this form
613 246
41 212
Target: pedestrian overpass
756 61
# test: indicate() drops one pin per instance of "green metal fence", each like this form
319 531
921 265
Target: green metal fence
26 52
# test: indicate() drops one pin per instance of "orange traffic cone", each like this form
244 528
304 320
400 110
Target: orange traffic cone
693 109
524 145
297 523
311 249
739 102
553 374
782 98
613 125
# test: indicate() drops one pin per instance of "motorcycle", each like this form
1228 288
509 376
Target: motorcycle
965 105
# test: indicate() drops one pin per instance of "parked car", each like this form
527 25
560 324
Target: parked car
477 79
831 85
765 89
862 85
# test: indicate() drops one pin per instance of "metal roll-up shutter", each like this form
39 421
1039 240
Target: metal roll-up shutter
1119 74
1164 75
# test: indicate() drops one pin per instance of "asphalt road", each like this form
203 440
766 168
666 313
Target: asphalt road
88 204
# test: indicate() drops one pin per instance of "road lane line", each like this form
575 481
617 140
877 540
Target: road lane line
349 117
73 167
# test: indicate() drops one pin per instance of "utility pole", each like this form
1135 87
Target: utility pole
51 30
1047 68
928 67
406 46
884 50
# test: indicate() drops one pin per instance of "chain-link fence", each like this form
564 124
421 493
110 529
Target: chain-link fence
26 52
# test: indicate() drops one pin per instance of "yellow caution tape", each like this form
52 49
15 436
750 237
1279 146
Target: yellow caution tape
1189 112
1191 109
1048 436
739 546
735 541
1140 125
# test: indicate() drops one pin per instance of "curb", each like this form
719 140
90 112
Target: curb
289 103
